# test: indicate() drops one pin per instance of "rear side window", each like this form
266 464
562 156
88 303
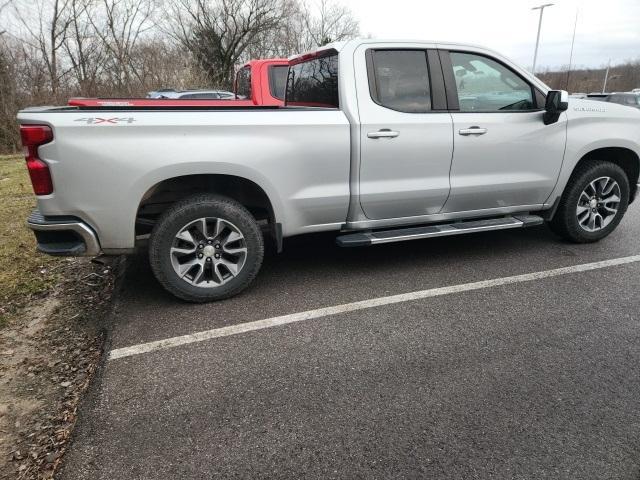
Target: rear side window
314 82
278 80
243 82
400 80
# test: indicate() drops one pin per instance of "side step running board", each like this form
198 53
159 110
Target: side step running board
458 228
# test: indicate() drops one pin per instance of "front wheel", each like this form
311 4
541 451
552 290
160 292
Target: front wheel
593 203
206 248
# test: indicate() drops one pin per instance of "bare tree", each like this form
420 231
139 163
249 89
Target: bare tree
326 22
161 63
84 49
622 78
120 25
219 32
307 26
47 33
8 99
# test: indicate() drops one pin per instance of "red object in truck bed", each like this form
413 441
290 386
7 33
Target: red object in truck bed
261 81
157 102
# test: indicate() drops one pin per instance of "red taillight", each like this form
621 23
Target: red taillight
32 137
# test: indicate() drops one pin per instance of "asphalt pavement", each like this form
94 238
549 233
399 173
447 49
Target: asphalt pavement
531 380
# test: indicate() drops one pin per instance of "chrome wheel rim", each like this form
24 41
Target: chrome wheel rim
208 252
598 204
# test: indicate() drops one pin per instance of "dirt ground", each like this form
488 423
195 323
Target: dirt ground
51 312
48 354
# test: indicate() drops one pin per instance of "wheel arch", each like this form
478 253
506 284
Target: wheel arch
164 193
625 158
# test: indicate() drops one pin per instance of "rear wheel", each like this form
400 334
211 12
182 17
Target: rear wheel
593 203
206 248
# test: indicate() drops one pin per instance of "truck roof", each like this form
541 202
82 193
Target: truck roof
341 45
352 45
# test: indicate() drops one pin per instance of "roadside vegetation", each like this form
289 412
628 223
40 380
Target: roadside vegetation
23 271
621 78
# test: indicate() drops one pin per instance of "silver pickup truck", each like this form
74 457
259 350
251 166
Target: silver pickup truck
381 141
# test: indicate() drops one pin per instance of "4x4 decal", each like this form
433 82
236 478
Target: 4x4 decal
105 121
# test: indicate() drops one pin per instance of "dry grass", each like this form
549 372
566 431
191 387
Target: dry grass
23 271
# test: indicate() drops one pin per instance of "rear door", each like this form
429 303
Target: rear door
504 154
406 133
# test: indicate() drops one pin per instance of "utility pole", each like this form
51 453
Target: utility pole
535 54
606 77
573 41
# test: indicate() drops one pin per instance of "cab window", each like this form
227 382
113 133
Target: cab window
278 80
243 82
314 82
400 80
484 85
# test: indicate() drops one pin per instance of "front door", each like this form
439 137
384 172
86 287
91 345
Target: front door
406 145
504 155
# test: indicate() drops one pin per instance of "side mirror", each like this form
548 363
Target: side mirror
556 103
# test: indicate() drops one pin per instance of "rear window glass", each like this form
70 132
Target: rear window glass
314 83
243 82
278 80
401 80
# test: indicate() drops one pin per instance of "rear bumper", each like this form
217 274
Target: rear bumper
66 236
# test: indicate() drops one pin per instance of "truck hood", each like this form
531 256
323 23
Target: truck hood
580 108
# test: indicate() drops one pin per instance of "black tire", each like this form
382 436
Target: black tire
565 221
191 209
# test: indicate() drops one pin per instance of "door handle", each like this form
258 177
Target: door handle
472 131
384 133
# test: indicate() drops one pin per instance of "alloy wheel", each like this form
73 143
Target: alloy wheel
598 204
208 252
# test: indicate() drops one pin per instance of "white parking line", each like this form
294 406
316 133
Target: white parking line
350 307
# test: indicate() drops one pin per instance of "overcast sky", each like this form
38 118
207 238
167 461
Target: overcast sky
606 29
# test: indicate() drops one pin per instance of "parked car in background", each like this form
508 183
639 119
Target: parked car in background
599 97
168 93
378 142
629 99
578 95
257 83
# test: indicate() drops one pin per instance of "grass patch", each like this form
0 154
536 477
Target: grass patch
23 271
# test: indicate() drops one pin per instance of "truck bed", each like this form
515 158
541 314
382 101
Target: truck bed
182 106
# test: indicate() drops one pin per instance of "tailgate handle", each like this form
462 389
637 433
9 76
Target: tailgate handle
384 133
